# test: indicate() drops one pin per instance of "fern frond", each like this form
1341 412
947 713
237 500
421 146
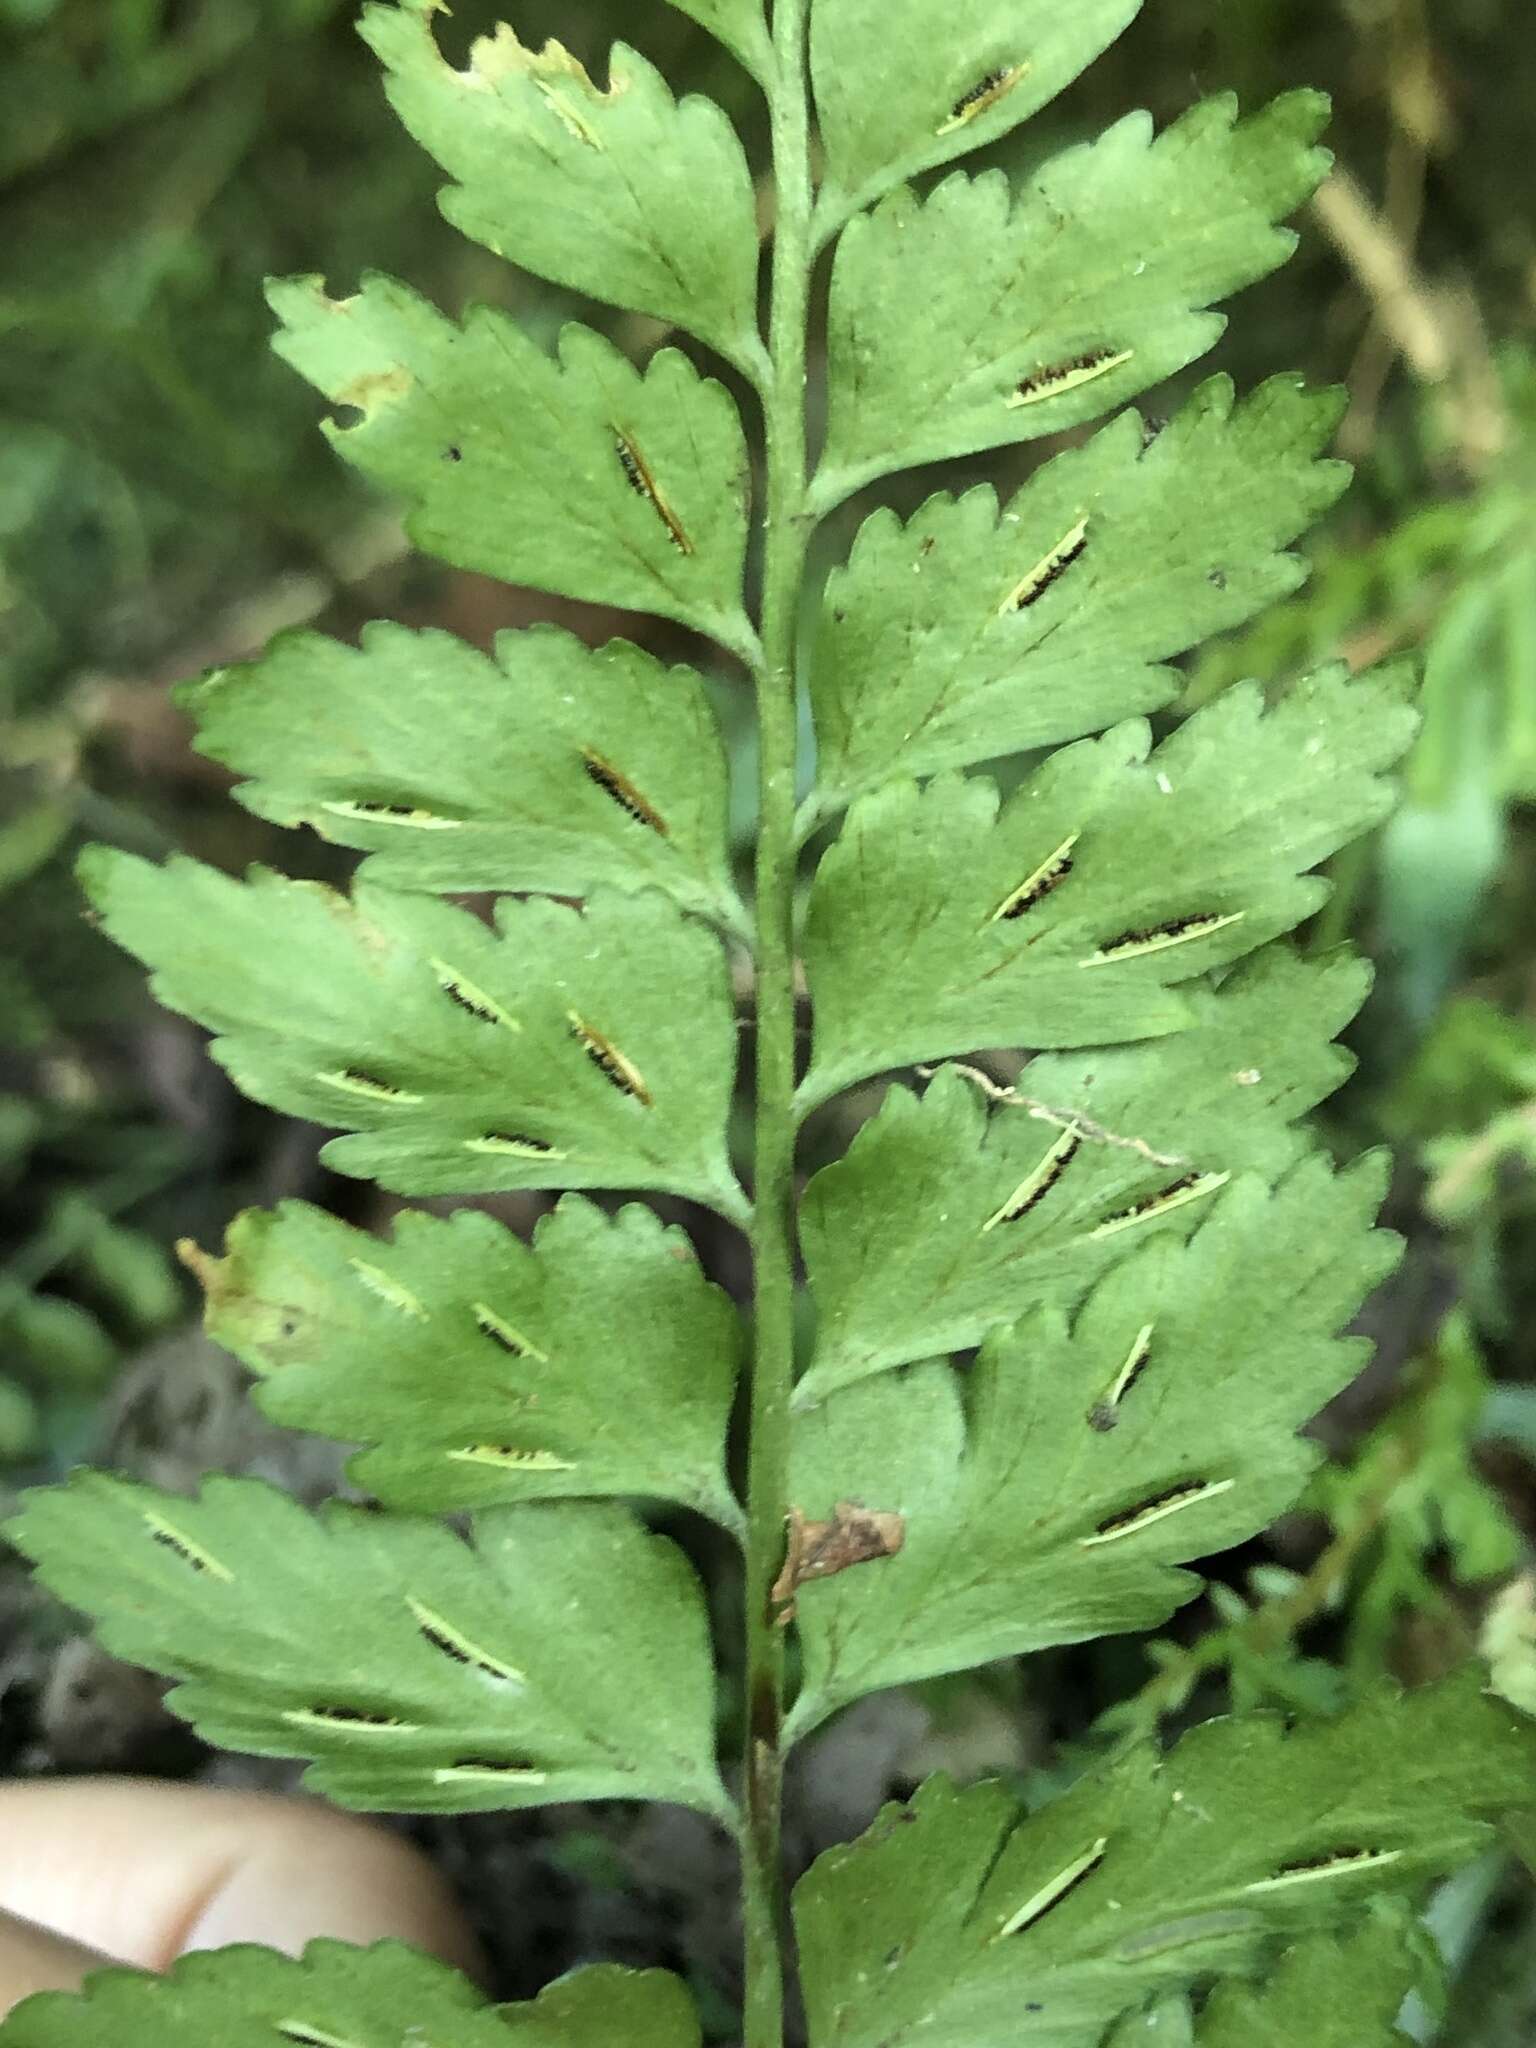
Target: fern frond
579 474
335 1996
944 921
955 1916
948 1216
1047 1493
564 1048
618 190
546 766
552 1656
969 633
596 1362
974 319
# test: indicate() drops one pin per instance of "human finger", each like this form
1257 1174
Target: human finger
143 1872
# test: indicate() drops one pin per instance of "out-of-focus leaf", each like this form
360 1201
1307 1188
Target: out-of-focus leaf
359 1997
1441 849
56 1340
1508 1643
1328 1994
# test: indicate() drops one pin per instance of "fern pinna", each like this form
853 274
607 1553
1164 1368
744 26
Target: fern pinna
1151 1262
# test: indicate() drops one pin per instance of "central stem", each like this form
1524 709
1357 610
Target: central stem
785 530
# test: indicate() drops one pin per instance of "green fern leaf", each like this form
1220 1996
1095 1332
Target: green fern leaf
956 1916
898 93
619 192
942 1220
597 1362
1169 2023
420 1672
1329 1994
965 635
739 25
971 320
564 1049
1048 1494
581 475
940 923
342 1997
550 766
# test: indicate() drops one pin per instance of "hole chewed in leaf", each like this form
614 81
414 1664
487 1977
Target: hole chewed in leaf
390 814
488 1769
364 1720
819 1550
983 96
514 1144
1186 1933
354 1081
389 1290
567 115
641 481
511 1458
474 1002
1060 378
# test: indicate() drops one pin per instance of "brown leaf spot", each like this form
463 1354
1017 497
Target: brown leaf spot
818 1550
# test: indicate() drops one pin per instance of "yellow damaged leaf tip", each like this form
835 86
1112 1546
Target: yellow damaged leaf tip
375 388
215 1276
501 53
203 1266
